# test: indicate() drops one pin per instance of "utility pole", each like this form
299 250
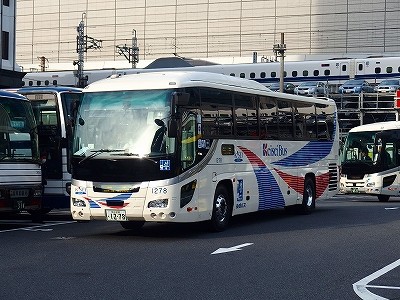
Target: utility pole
43 63
83 43
130 53
279 50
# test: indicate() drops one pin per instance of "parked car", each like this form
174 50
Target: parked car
388 86
311 88
355 86
287 87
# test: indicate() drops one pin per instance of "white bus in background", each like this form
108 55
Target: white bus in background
370 160
195 146
20 168
52 109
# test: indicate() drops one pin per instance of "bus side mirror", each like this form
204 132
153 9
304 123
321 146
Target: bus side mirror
179 99
74 111
172 128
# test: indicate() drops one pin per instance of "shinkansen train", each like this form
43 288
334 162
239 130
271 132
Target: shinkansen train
332 71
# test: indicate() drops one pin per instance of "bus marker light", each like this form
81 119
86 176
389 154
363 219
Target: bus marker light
189 209
172 215
153 215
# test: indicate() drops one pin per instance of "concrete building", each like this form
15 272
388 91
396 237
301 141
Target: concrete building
10 75
47 30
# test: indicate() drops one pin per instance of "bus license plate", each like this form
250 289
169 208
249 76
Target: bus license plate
355 190
116 215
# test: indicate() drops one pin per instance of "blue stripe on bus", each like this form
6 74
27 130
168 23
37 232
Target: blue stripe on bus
269 193
312 152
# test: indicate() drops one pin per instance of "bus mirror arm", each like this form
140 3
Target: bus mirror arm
178 99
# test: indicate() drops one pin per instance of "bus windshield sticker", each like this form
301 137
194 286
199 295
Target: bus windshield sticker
165 165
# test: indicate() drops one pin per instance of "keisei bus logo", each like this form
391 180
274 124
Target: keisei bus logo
238 156
277 150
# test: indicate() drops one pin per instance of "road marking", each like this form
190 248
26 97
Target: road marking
36 228
231 249
391 208
360 287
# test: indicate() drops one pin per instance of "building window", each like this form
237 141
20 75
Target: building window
6 2
5 41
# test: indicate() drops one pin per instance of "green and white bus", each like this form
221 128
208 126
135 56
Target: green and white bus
196 146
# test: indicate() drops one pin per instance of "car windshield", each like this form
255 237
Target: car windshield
354 82
389 82
308 84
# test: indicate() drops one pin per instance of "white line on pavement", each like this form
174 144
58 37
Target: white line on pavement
36 228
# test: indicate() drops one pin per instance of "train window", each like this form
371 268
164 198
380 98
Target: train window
252 75
46 82
294 73
54 82
327 72
273 74
377 70
30 82
344 68
360 67
398 69
389 69
38 83
305 73
316 72
232 74
284 74
242 75
262 74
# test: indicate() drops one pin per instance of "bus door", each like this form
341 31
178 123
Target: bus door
49 129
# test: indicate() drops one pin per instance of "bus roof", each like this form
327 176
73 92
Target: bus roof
181 79
377 126
47 89
9 94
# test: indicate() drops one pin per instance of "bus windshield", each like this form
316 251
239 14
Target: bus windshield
359 146
122 123
18 138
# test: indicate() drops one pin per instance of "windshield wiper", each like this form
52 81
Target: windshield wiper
97 152
136 155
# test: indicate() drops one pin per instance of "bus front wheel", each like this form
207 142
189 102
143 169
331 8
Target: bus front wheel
222 209
383 198
308 204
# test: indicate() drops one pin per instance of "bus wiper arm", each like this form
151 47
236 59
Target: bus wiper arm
97 152
136 155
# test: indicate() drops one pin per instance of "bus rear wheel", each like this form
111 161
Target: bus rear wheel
222 209
308 204
383 198
132 225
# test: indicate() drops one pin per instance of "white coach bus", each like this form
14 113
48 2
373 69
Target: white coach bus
52 109
370 160
20 167
196 146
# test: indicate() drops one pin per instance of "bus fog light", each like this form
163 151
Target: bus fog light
159 203
153 215
172 215
162 216
78 202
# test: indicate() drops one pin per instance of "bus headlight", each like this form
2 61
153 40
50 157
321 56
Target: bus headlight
78 202
370 184
159 203
37 193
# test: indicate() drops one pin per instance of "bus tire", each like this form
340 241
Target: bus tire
222 210
132 225
383 198
308 204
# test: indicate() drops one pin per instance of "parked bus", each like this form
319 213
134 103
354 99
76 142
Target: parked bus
20 168
370 160
52 108
196 146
